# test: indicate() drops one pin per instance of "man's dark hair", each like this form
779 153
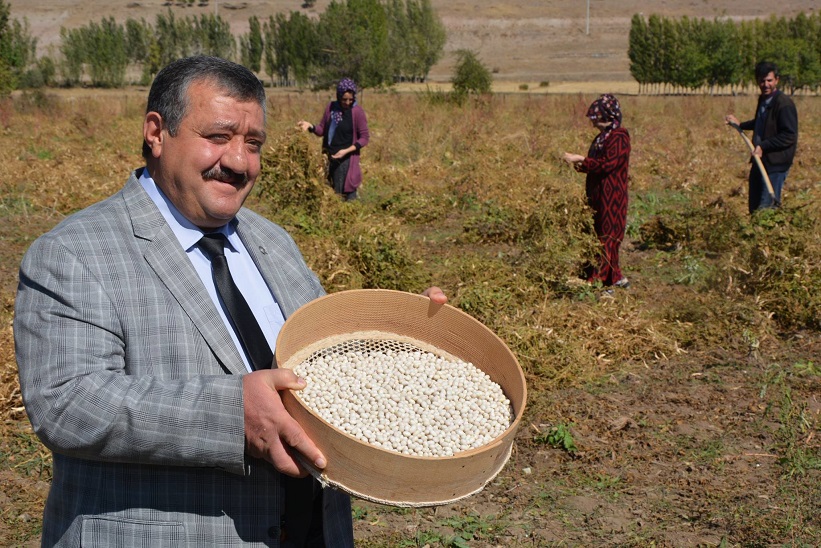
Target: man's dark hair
763 68
169 91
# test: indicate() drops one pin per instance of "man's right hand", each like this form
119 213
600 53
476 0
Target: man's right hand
270 431
730 119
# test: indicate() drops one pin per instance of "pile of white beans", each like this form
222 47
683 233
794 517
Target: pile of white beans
393 395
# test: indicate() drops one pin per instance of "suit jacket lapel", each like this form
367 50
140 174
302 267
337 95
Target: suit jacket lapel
266 258
166 257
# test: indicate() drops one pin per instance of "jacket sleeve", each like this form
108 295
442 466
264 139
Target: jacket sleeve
616 152
83 400
363 135
319 129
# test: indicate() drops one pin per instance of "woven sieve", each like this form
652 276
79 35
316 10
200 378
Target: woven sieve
368 319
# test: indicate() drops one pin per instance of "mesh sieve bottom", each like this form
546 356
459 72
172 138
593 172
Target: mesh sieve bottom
370 346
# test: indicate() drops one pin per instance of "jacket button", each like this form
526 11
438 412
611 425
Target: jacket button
273 532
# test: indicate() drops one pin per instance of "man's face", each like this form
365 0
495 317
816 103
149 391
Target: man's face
209 168
768 84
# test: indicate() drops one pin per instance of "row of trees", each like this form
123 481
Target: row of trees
696 54
376 42
17 50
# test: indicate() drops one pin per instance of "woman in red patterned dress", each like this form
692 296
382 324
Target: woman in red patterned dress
606 166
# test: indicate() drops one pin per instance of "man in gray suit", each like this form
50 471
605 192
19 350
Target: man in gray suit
163 432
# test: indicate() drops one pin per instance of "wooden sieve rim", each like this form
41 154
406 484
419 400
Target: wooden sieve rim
325 481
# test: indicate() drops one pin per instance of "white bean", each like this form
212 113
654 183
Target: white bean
393 395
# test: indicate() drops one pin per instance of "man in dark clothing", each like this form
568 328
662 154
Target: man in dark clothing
775 136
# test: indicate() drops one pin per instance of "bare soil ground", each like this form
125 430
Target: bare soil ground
677 453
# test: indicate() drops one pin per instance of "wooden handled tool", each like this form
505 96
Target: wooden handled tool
757 160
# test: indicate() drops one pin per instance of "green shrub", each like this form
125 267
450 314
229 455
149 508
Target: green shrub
472 76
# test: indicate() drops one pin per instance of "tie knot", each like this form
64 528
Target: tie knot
213 244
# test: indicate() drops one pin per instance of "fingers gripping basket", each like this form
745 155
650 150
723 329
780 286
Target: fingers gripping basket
373 473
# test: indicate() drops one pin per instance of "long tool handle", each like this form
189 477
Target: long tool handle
757 160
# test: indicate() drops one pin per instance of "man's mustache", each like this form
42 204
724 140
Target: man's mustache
225 175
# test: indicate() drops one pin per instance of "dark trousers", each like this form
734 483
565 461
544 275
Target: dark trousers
337 172
759 195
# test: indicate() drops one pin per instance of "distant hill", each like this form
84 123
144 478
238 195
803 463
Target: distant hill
523 41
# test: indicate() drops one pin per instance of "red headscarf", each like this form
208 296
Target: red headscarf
605 109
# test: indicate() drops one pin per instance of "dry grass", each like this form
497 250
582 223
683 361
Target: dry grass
475 199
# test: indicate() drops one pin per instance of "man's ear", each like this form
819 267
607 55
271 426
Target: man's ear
153 133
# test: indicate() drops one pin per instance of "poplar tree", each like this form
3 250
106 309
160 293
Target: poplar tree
639 52
722 47
749 33
138 37
72 47
175 38
251 45
655 44
7 80
212 36
426 40
17 49
302 45
289 48
398 32
269 55
371 26
105 53
353 43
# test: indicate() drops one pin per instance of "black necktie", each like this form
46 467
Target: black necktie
299 492
245 324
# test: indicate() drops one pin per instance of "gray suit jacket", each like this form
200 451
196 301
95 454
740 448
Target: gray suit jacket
129 376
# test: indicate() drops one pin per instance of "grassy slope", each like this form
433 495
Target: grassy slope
722 320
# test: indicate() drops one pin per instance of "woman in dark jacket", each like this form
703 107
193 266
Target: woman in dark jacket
606 167
344 129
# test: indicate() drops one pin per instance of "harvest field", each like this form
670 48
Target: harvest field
684 411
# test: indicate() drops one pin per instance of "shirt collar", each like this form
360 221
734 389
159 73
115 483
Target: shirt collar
769 100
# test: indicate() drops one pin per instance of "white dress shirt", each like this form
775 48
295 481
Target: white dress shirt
243 270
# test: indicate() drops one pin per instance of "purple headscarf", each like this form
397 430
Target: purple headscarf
605 109
346 85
